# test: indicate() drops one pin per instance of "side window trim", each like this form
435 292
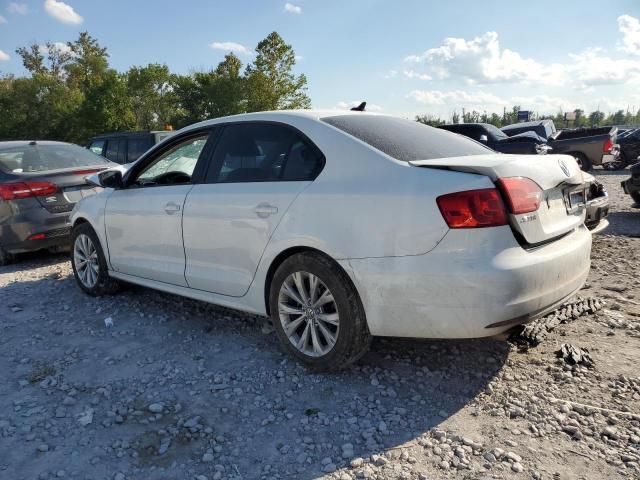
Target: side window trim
148 159
212 170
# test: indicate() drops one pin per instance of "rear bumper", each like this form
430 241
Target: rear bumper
16 232
597 211
475 283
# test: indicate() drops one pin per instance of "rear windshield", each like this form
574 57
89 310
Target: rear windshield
406 140
41 158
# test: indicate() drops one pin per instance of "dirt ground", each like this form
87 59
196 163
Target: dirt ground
177 389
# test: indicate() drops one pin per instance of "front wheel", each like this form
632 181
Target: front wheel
317 312
89 264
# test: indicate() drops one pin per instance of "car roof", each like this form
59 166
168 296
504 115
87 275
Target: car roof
281 116
24 143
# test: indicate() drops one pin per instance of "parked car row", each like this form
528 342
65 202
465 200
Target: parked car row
589 146
338 226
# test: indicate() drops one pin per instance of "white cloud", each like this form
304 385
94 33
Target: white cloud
371 107
62 12
291 8
298 58
59 46
391 74
593 67
483 61
630 28
456 97
4 57
414 74
231 47
2 19
18 8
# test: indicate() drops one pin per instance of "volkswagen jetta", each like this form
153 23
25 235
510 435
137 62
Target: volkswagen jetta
340 226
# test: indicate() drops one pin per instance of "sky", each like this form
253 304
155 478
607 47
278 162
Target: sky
403 57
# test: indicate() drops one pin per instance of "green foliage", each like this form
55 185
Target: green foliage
508 117
71 93
271 84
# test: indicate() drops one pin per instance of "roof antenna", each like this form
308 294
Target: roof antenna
359 108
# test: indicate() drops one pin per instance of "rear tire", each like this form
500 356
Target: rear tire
6 258
89 264
583 162
317 313
636 197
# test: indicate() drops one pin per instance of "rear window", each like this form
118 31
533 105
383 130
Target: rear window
406 140
41 158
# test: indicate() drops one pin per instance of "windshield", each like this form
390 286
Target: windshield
406 140
41 158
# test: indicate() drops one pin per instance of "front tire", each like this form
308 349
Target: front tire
317 313
89 264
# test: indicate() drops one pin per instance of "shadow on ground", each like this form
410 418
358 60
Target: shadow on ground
267 416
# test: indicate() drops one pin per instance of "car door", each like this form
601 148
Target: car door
143 221
256 172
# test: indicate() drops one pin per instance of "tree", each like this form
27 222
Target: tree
596 118
151 94
89 63
271 84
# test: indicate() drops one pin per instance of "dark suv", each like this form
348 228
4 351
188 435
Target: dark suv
126 147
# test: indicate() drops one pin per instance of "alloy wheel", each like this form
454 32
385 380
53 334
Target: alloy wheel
309 314
85 258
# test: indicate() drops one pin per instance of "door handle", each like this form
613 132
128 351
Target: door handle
171 208
264 210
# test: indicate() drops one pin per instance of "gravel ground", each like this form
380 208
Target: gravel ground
145 385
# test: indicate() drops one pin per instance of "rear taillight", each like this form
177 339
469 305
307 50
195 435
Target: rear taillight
523 195
19 190
608 145
473 209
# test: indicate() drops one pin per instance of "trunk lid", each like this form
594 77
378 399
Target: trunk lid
562 207
71 183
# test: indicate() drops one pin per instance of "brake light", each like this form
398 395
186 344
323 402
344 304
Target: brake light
37 236
19 190
608 145
473 209
86 172
523 194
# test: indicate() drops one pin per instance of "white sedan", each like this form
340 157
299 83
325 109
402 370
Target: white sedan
340 226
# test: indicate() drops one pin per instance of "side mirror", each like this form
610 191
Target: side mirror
107 179
484 139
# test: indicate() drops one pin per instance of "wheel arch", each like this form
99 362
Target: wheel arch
284 255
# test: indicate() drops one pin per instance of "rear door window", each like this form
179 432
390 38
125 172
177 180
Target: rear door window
406 140
263 152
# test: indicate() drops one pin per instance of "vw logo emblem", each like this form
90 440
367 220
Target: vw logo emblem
564 168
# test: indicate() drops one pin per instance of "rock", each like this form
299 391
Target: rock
514 457
329 468
610 432
517 467
207 457
43 447
356 462
119 476
156 408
